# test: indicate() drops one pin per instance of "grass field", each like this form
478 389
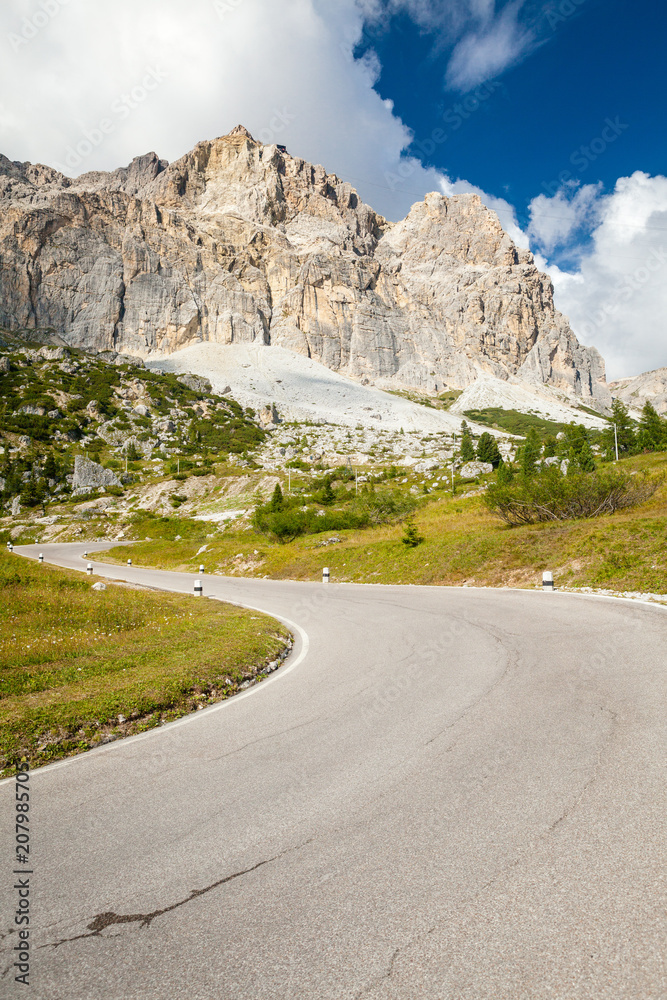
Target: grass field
80 667
464 544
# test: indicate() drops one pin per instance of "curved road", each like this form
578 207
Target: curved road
454 794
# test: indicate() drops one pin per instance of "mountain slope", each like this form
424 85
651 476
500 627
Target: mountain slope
239 242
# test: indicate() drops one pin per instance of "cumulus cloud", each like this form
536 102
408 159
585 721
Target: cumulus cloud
101 83
556 221
617 298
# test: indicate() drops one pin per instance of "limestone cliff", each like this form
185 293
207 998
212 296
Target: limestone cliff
238 241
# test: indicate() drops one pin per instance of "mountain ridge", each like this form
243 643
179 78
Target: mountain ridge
241 242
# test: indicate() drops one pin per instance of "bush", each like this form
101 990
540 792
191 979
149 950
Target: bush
550 496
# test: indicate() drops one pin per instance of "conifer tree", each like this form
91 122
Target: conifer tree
487 449
652 434
585 458
277 501
467 447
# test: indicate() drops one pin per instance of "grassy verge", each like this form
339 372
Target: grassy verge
80 667
464 544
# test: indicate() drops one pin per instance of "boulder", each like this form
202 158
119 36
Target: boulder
195 382
90 474
99 586
473 469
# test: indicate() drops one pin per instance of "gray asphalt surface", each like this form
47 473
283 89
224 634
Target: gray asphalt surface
453 794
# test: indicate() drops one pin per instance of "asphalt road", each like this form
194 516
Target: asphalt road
453 794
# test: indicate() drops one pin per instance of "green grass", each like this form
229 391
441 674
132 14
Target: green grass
464 544
72 659
518 423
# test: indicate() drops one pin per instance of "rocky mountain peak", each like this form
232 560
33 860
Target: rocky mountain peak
238 241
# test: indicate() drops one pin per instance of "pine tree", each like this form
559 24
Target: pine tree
467 447
627 439
505 473
50 467
277 501
411 536
550 446
585 458
487 449
132 453
328 495
529 454
652 434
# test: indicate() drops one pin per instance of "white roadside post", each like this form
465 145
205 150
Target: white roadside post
548 580
89 569
40 557
10 546
201 569
198 590
325 575
129 562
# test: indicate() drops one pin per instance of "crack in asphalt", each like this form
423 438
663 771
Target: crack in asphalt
101 921
566 813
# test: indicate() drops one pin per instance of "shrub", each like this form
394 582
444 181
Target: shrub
550 496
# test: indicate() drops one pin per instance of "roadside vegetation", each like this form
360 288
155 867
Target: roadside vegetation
80 667
464 544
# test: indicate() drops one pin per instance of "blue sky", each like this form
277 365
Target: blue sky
552 110
606 61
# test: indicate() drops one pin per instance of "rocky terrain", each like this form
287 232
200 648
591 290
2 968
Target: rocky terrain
89 442
634 392
238 242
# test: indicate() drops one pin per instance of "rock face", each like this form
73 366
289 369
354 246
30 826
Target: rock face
237 241
473 469
90 475
634 392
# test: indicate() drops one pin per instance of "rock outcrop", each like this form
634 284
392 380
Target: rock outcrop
634 392
90 475
240 242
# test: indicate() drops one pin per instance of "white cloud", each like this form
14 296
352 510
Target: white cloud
617 300
483 53
485 40
554 222
161 76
